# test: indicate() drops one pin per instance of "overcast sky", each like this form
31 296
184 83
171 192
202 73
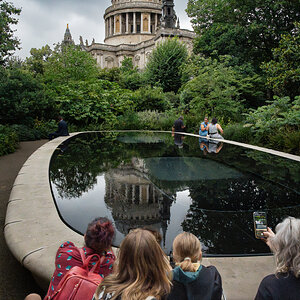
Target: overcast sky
44 21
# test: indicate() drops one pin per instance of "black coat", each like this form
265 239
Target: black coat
62 128
282 287
207 286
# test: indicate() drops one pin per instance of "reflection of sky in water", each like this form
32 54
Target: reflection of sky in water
179 210
90 204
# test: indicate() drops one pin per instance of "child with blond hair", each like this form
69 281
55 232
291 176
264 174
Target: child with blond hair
192 280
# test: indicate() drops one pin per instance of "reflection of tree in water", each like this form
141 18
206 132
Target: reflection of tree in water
246 193
230 232
75 171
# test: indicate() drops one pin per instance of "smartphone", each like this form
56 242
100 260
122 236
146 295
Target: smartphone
260 224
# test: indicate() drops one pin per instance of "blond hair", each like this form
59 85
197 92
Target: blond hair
186 251
141 271
286 246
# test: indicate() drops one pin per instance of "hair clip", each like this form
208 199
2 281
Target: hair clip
188 258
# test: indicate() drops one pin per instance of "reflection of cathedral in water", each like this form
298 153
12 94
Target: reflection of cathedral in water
134 201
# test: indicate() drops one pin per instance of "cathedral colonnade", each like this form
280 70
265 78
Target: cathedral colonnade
131 22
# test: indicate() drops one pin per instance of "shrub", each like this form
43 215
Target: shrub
26 133
148 98
213 90
239 133
8 140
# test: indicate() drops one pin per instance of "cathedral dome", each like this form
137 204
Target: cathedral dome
132 21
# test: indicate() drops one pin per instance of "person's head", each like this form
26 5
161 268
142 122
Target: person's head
286 246
181 118
99 235
155 232
214 121
206 120
186 251
141 270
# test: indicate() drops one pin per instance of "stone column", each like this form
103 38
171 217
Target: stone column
134 22
142 23
127 23
149 23
110 26
156 22
121 23
133 193
115 19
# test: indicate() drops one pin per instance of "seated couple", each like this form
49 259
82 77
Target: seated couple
142 270
212 129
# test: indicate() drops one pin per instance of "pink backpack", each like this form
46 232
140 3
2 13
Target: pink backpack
79 283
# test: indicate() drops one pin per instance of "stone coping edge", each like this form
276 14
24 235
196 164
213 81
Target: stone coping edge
34 230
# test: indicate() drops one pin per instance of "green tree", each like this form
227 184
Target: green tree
283 72
130 77
38 59
248 30
70 63
214 89
8 43
164 66
22 97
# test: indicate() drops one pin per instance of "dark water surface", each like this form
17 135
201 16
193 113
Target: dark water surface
174 184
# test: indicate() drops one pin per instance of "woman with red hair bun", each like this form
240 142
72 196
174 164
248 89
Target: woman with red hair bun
98 238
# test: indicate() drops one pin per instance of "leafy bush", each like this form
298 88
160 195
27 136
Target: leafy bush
277 124
148 98
284 70
26 133
146 120
8 140
22 98
238 132
94 102
214 91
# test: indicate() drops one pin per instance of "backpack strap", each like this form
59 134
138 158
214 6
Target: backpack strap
86 261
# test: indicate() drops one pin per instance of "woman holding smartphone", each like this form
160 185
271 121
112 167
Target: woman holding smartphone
285 244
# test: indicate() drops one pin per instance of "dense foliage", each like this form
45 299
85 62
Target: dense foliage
283 71
248 30
8 140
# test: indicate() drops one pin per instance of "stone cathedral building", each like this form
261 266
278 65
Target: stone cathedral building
132 29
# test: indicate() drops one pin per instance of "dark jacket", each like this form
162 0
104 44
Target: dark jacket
62 128
205 284
284 286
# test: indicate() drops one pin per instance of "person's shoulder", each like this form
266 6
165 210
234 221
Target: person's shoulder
67 246
212 270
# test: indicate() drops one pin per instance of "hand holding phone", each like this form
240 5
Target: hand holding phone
260 224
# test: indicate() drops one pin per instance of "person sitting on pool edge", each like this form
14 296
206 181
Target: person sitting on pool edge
98 238
203 131
62 129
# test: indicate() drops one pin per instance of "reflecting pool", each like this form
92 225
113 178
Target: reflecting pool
173 184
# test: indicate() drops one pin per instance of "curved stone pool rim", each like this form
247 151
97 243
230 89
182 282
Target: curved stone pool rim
34 230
